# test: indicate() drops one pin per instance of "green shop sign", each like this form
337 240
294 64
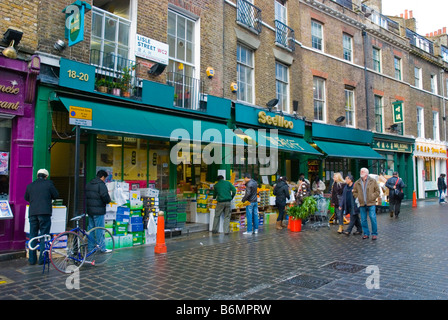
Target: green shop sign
392 146
398 111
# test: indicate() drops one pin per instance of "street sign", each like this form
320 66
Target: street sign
80 116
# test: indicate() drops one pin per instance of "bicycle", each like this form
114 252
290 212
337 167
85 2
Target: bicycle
47 242
71 249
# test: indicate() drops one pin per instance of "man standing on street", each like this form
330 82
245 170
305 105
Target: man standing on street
252 208
40 194
395 183
224 192
97 197
441 185
366 190
281 193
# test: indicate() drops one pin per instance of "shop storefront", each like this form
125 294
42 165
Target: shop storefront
17 94
397 152
430 161
346 150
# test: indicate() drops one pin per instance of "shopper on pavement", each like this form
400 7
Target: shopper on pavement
441 185
395 183
318 186
252 209
336 197
349 205
366 190
281 193
40 194
97 197
223 191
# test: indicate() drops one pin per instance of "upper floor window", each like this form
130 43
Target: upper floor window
376 56
434 83
397 66
420 123
319 98
316 35
109 41
435 125
418 77
282 86
280 11
347 43
245 73
378 101
350 107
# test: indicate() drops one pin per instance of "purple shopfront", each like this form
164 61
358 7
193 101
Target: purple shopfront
17 95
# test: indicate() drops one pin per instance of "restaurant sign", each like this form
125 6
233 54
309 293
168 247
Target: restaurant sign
392 146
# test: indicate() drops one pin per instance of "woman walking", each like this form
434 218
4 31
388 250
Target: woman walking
336 199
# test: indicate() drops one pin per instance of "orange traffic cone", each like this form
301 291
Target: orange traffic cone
160 240
414 200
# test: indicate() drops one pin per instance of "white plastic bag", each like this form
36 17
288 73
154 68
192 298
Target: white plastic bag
151 230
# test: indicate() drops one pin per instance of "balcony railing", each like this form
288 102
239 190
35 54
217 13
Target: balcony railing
115 75
188 91
420 41
284 35
248 15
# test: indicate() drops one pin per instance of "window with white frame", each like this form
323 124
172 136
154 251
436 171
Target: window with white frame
245 73
282 86
350 107
434 83
378 102
109 41
418 77
280 11
319 98
435 125
317 35
347 43
420 123
376 56
397 66
181 64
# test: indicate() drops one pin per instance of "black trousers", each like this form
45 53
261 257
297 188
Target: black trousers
394 204
354 221
39 225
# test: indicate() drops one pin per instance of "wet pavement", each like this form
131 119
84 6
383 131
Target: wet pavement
408 261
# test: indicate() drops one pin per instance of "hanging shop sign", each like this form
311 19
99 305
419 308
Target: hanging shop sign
74 21
151 49
392 146
398 111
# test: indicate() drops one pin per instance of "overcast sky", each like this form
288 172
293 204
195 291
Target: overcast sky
431 15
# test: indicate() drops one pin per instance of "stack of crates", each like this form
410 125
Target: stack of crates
181 213
168 204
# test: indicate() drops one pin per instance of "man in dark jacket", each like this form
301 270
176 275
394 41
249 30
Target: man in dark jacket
40 194
349 206
281 193
395 183
224 192
252 209
97 197
441 186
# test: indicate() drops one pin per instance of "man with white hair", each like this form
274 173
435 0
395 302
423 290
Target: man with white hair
366 190
40 194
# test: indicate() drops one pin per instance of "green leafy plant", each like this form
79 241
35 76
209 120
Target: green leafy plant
126 77
308 207
101 82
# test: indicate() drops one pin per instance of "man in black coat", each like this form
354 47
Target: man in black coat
281 193
395 183
97 197
441 186
40 194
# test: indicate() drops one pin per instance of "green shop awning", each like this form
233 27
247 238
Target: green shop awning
346 150
127 121
282 142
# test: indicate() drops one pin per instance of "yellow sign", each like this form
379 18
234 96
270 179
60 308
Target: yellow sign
277 121
80 116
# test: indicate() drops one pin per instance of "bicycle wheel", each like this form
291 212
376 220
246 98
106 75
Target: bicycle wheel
67 252
101 245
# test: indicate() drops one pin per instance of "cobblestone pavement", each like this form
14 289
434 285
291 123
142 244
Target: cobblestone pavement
407 262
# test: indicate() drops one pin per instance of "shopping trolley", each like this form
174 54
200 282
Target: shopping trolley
320 217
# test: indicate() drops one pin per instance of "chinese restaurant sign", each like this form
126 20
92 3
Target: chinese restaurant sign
398 111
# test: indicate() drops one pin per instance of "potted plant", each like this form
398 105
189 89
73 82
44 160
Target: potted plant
116 88
126 78
298 213
101 85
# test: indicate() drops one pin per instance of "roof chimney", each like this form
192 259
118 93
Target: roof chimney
401 15
411 15
406 14
444 30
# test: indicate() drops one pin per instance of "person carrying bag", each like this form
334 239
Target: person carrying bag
396 195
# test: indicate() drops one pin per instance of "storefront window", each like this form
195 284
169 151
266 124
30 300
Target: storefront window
5 146
428 170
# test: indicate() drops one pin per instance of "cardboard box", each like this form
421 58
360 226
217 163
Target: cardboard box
126 241
120 228
135 227
136 219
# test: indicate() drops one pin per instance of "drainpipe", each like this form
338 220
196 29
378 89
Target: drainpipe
442 73
366 79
